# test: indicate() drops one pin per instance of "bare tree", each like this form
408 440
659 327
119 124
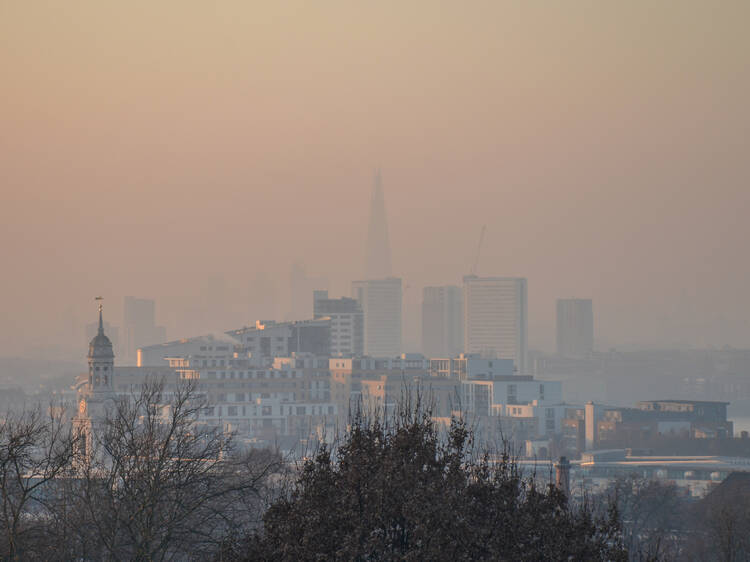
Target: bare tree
36 448
651 520
159 485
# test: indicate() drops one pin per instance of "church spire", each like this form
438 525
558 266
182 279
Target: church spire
101 323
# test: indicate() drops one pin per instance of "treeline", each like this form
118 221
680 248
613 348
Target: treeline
155 485
150 485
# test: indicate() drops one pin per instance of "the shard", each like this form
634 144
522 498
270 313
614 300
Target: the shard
378 257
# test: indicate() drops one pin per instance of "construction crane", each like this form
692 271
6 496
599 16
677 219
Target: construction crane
479 249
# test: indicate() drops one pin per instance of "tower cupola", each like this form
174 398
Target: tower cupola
101 359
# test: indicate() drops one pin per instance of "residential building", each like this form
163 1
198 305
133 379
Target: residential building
347 323
471 367
269 339
157 355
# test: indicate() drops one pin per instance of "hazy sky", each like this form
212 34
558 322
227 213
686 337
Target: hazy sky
173 149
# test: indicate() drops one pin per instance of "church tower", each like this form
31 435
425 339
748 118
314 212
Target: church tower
101 360
96 397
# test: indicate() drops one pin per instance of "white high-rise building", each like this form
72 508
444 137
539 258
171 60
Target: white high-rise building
442 321
575 327
380 300
495 318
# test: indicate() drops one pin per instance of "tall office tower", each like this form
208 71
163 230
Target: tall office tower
575 328
139 327
300 287
442 321
380 300
495 318
347 323
378 256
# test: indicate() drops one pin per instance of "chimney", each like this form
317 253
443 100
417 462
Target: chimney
562 475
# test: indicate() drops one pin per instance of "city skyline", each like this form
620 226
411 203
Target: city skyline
141 176
428 268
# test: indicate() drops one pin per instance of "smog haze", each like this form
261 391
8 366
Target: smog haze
193 153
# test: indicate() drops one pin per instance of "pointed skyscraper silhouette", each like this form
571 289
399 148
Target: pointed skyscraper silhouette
378 257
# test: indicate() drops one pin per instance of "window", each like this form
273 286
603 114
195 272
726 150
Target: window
232 411
300 410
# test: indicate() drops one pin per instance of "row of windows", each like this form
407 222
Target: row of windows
234 411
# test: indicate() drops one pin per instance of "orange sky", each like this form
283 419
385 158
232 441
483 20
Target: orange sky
163 148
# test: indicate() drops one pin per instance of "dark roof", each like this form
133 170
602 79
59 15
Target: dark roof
101 346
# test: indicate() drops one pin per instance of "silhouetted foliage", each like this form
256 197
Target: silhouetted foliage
652 514
720 522
155 485
35 450
401 490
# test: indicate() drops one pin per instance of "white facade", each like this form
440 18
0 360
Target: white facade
525 392
548 417
471 367
495 318
538 403
380 300
510 392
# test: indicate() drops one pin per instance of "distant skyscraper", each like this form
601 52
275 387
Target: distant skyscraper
442 321
495 318
300 288
347 323
378 258
139 326
575 327
380 300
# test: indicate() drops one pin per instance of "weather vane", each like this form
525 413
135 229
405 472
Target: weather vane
100 299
